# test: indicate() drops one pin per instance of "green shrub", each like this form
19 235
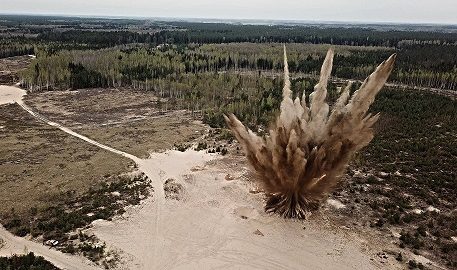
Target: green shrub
26 262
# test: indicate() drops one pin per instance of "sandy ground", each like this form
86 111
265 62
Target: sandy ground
219 224
10 94
214 224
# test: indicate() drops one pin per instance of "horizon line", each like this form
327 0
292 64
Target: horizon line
158 18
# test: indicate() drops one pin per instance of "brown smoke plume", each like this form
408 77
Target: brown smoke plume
306 152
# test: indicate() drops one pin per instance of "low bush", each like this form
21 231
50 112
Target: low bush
26 262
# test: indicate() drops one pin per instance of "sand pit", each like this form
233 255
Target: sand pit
218 224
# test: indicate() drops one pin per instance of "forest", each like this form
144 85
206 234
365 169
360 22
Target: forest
215 68
354 36
220 78
136 50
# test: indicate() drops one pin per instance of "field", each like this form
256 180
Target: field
40 164
124 119
54 184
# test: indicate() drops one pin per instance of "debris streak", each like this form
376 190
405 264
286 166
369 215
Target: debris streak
306 151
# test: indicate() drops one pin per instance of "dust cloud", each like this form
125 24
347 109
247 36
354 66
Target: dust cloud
308 148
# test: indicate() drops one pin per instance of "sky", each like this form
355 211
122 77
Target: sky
396 11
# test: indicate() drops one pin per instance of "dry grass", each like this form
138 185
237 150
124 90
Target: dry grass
39 162
124 119
150 135
94 107
11 66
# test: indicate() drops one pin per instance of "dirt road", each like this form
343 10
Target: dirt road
214 224
18 245
442 92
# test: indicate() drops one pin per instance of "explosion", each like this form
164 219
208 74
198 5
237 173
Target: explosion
308 148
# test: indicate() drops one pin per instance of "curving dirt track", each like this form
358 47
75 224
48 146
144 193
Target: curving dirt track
214 224
18 245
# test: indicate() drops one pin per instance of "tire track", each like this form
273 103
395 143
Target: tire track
77 135
156 178
17 244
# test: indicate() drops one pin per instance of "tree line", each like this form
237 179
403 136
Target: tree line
140 65
10 49
354 36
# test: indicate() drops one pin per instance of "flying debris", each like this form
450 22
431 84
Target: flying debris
308 148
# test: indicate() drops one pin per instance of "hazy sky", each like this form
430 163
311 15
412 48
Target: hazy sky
409 11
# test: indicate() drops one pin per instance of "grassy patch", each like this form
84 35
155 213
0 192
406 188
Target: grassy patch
39 163
410 178
124 119
57 224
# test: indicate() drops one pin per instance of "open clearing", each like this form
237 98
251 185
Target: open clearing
210 221
39 163
126 120
219 224
11 66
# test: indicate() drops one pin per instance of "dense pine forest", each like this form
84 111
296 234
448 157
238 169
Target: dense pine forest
214 68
